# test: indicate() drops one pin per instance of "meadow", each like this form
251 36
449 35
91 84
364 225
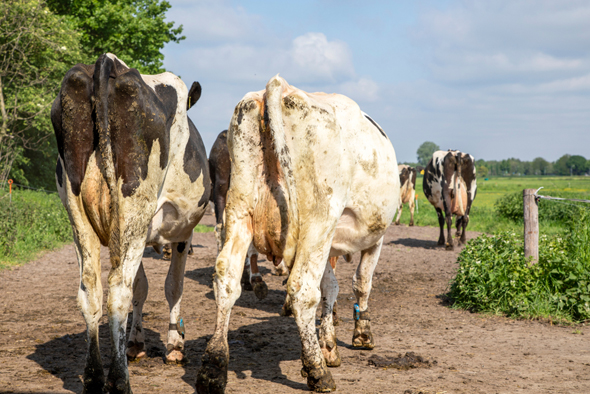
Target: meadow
484 216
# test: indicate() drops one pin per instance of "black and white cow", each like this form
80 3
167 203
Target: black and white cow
132 170
407 178
450 185
312 177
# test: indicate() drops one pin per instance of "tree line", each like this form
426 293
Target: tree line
39 41
565 165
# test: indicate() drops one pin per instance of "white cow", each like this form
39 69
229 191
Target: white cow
407 178
132 170
312 177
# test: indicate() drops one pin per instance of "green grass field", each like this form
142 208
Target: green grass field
483 216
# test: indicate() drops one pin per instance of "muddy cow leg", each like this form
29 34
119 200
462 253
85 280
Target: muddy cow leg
449 245
121 280
136 344
281 269
335 319
412 205
303 288
246 273
361 285
90 301
399 213
173 288
458 222
328 340
441 224
212 376
260 287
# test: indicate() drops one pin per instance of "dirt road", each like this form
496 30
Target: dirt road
42 333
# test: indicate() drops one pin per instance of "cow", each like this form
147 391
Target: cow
132 171
450 185
312 177
407 178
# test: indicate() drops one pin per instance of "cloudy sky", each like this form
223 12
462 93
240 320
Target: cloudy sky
497 79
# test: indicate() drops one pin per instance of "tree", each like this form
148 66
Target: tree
540 166
425 152
560 166
482 171
134 30
577 165
36 49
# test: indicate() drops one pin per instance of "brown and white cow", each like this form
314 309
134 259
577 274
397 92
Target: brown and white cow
312 177
132 170
450 185
407 178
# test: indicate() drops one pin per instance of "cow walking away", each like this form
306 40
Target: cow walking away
312 177
450 185
132 171
407 178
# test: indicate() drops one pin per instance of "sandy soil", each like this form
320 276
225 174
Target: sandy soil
42 333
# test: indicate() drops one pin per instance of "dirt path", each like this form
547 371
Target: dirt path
42 333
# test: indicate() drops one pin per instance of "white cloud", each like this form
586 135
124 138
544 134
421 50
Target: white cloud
362 90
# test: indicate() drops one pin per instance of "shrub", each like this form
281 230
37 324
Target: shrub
495 277
32 222
510 206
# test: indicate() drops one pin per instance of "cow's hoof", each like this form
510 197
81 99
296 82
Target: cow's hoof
411 224
120 386
93 385
260 288
318 380
212 376
135 350
397 223
330 352
286 310
440 242
362 336
175 356
449 246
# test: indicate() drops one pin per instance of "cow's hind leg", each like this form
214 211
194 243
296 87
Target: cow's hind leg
328 341
441 224
212 376
458 223
303 288
90 303
136 344
260 287
173 289
361 285
399 214
412 205
121 280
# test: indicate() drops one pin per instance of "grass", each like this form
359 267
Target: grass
483 216
32 222
35 222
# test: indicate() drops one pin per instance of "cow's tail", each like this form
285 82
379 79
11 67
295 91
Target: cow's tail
273 115
102 72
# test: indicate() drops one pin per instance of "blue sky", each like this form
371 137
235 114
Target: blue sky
496 79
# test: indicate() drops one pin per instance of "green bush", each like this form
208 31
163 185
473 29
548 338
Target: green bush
34 221
494 276
510 206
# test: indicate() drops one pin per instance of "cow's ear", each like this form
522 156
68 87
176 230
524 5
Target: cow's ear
193 95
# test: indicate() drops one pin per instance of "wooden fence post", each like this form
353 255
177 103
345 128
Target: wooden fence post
531 225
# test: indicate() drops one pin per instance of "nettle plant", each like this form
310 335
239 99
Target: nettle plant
495 277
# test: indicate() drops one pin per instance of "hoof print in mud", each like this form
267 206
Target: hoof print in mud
408 361
318 381
212 376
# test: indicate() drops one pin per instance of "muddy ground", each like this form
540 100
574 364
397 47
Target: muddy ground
42 333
